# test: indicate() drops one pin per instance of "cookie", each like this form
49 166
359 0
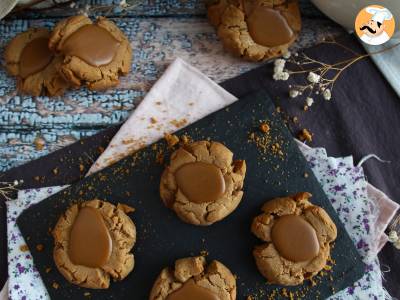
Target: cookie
256 29
92 242
202 183
96 54
297 236
28 57
192 279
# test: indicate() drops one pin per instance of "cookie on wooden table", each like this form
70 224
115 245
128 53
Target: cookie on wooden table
202 183
93 241
96 54
256 29
297 236
191 278
28 57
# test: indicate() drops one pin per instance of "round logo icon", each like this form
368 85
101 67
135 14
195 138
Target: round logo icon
375 25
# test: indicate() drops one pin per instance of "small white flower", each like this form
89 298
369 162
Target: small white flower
279 62
293 93
327 94
313 77
281 76
393 237
397 244
309 101
287 55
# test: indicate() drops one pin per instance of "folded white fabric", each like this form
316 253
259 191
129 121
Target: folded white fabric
180 97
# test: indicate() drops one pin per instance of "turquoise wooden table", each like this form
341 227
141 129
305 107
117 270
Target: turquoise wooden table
159 31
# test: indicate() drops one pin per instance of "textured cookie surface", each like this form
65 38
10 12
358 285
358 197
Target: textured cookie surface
28 57
203 212
256 29
270 261
96 54
192 277
123 236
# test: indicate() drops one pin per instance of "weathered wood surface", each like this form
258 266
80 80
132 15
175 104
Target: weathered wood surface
156 42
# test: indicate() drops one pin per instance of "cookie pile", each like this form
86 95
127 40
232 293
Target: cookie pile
78 52
203 185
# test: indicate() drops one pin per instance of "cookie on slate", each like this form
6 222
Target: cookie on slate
297 235
96 54
193 279
28 57
203 184
93 241
256 29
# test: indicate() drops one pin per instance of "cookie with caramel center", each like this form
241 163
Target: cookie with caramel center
92 243
95 53
202 183
297 236
193 279
256 29
28 57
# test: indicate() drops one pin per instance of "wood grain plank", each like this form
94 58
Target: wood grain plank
148 8
156 42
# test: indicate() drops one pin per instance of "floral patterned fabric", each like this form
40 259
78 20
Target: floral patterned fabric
344 184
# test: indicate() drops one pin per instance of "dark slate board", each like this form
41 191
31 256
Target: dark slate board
162 237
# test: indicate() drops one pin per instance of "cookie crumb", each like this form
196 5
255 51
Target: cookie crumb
305 175
24 248
48 270
295 119
125 208
171 139
55 285
39 143
264 127
185 139
39 247
81 168
87 294
204 253
305 135
305 107
55 171
153 120
178 123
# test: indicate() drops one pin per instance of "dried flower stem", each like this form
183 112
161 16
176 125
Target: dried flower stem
322 68
8 188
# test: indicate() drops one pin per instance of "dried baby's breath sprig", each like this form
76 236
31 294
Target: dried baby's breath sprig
8 188
320 76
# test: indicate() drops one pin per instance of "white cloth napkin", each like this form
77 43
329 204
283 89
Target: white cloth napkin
180 97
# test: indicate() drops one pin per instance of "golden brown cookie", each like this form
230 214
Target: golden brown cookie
297 235
193 279
96 54
203 184
93 241
256 29
28 57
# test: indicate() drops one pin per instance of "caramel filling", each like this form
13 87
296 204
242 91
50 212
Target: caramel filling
90 242
200 182
268 27
35 57
295 238
93 44
190 290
